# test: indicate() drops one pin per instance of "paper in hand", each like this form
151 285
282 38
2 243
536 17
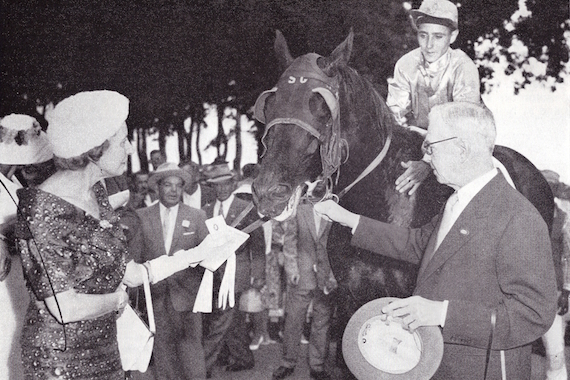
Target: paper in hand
224 241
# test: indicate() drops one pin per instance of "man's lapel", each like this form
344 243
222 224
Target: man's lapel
469 224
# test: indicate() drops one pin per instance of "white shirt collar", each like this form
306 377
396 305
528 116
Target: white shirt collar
469 191
225 204
172 209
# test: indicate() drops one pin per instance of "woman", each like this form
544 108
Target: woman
72 246
25 158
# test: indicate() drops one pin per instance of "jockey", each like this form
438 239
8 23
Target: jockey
430 75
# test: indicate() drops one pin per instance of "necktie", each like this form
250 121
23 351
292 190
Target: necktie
165 224
221 210
447 220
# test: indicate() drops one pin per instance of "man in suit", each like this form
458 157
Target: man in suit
195 195
485 262
226 326
309 278
167 227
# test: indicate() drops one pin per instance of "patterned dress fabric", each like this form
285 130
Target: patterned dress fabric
64 248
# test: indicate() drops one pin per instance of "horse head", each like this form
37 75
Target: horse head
302 128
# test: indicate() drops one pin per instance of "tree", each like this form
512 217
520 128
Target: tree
169 57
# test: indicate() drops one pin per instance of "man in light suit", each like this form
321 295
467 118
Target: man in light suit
167 227
486 258
227 327
309 278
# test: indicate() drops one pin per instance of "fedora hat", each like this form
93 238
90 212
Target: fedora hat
441 12
218 173
168 169
374 349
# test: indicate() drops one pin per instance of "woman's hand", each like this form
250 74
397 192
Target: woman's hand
133 274
416 172
123 298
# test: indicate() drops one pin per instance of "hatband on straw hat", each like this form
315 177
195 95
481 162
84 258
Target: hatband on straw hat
22 141
374 349
84 121
168 169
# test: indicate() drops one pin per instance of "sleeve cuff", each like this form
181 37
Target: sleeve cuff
444 313
356 225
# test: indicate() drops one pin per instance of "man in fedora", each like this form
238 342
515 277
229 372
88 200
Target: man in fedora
226 328
429 75
486 272
167 227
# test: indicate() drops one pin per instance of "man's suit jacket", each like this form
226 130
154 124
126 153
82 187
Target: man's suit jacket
304 249
250 257
497 256
189 231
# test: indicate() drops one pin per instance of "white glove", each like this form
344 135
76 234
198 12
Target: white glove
227 287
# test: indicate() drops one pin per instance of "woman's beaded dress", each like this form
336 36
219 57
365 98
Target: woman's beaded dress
64 248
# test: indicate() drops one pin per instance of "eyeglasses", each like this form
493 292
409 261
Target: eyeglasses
427 146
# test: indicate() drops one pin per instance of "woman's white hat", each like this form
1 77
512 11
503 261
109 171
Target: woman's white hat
22 141
84 121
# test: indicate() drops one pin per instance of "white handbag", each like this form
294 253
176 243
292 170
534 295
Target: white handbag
135 338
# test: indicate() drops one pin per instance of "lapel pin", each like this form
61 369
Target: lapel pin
185 223
463 231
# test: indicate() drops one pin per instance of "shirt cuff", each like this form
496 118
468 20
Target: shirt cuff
444 313
356 225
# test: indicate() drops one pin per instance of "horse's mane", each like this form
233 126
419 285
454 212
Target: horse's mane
360 97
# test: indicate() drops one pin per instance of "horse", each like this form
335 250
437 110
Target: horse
327 130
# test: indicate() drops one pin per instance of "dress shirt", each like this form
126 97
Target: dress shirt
171 224
225 206
194 199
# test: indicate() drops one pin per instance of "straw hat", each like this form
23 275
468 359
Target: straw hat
84 121
218 173
383 350
442 12
22 141
168 169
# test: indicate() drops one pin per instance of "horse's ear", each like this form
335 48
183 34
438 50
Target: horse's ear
340 56
284 57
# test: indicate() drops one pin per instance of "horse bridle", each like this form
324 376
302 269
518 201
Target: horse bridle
307 72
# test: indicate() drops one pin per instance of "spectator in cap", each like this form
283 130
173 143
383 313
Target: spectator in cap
25 159
429 75
195 195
